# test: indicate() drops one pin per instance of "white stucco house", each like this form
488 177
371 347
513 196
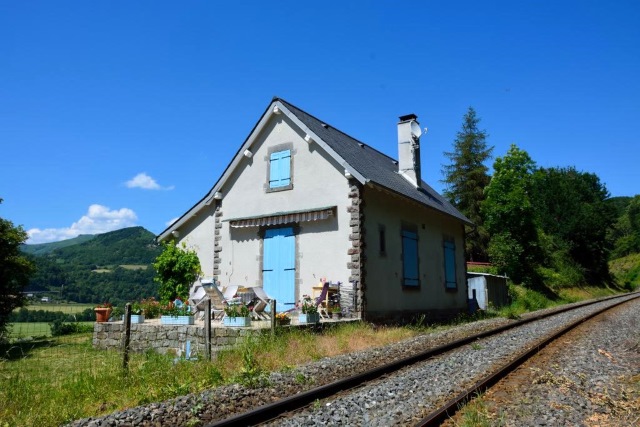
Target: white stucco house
302 200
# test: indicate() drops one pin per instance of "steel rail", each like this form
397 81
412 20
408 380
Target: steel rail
452 406
291 403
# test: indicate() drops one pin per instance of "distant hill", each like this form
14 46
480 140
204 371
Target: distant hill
45 248
114 267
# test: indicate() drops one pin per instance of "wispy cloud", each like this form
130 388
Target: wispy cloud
144 181
171 221
99 219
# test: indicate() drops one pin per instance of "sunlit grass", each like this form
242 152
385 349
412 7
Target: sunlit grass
48 382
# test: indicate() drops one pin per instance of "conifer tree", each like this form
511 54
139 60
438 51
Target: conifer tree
465 179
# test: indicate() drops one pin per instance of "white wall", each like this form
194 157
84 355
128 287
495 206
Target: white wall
318 181
197 234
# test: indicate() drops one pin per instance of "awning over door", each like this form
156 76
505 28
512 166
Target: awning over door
279 218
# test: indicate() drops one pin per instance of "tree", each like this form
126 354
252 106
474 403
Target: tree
176 269
625 235
466 178
510 218
573 211
15 270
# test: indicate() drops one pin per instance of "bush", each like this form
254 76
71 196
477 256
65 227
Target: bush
58 328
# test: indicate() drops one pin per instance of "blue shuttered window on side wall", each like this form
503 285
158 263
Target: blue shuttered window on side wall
410 271
280 169
450 264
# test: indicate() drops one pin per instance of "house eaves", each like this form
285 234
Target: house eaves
276 107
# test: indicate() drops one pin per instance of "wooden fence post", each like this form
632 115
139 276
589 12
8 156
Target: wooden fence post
127 336
207 330
273 317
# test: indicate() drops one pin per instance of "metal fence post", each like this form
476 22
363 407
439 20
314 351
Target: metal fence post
127 336
207 330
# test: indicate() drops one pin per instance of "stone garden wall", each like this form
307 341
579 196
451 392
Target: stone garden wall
165 339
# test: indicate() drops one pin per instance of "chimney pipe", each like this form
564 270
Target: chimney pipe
409 149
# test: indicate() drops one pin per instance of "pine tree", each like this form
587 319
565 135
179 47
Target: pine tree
465 179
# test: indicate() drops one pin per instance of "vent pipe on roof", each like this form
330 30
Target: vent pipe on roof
409 149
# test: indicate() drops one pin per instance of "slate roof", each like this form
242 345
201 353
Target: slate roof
373 165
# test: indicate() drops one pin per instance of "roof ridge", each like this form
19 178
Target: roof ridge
275 98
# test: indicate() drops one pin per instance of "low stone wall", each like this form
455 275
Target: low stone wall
165 339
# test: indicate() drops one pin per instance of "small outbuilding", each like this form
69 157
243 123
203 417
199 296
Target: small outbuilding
489 290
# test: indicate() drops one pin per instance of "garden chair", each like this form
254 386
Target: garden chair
219 299
263 301
197 297
320 302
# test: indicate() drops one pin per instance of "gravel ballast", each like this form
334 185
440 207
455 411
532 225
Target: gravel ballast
392 401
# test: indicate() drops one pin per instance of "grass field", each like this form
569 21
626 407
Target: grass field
69 308
32 329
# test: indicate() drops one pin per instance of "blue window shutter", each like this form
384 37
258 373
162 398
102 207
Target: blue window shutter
410 270
280 169
450 264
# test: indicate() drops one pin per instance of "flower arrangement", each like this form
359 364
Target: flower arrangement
176 308
150 308
283 316
307 305
237 310
336 309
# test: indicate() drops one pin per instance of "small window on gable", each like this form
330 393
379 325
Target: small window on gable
450 264
280 169
410 273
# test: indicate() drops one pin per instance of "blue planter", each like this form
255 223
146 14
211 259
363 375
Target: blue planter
137 318
309 318
236 321
176 320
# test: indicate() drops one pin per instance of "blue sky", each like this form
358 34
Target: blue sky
119 113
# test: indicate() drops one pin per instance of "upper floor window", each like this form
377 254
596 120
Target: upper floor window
280 169
410 273
450 264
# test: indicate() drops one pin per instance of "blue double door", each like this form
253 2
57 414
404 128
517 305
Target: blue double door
279 266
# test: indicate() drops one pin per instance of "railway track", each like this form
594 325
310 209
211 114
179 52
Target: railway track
283 411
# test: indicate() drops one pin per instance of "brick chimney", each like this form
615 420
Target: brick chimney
409 149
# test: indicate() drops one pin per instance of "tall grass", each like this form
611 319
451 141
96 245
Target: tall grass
49 382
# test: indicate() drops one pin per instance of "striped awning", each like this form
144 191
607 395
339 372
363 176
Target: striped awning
280 218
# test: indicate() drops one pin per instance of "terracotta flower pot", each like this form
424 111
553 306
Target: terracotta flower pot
102 314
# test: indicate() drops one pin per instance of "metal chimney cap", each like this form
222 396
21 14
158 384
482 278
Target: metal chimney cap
408 117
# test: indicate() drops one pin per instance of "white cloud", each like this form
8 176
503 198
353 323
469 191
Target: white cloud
171 221
144 181
99 219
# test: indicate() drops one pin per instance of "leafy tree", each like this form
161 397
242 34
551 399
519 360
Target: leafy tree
466 178
572 209
510 218
15 270
625 234
176 269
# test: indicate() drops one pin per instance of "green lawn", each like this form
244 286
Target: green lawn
68 308
32 329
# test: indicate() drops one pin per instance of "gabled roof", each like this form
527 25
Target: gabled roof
365 164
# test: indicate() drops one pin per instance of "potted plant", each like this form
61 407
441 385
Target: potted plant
151 308
137 313
336 311
103 312
176 313
237 315
283 319
309 311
